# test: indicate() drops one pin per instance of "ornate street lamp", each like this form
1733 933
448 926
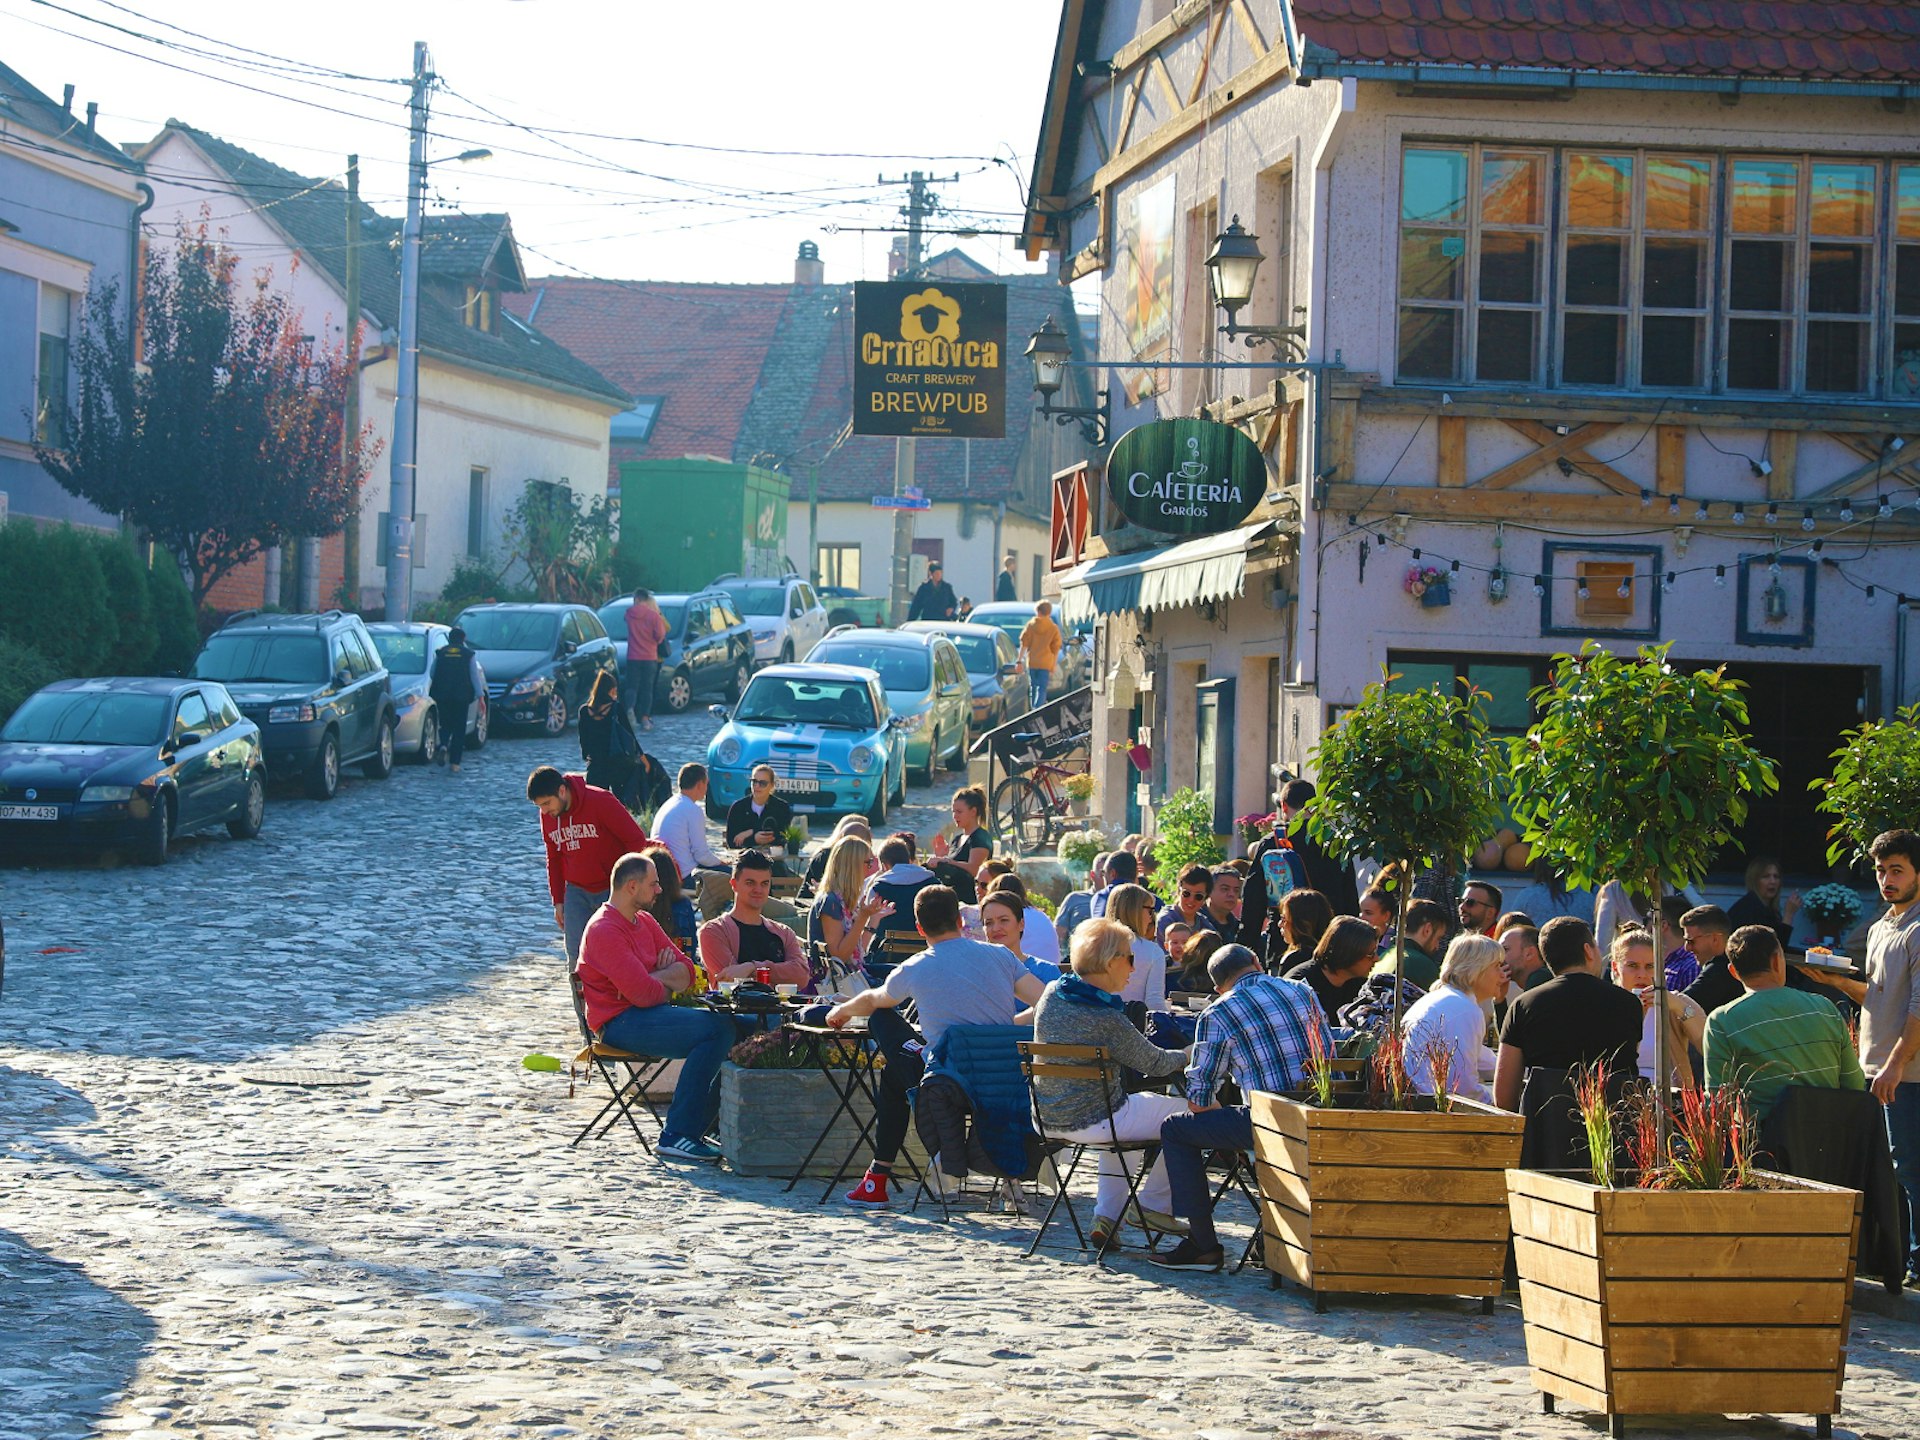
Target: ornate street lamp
1231 268
1049 351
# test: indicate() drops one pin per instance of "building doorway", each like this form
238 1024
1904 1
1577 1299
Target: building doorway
1796 714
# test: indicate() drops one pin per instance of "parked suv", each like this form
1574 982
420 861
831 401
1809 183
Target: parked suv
314 685
785 615
539 660
708 649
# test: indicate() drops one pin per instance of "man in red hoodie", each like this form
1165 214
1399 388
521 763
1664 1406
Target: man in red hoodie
628 971
586 830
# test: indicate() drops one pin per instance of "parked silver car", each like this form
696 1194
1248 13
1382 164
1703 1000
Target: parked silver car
408 651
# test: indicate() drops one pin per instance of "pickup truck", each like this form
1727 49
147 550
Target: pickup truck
845 607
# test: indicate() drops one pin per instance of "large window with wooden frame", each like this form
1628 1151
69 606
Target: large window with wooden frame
1740 274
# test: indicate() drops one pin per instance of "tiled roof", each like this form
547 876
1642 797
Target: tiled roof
700 346
313 215
1867 40
764 373
26 105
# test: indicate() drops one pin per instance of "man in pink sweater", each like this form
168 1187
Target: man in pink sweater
738 942
646 628
586 829
629 971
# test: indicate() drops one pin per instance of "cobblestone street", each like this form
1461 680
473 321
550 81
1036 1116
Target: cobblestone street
184 1253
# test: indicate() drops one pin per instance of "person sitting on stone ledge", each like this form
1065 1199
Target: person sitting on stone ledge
743 940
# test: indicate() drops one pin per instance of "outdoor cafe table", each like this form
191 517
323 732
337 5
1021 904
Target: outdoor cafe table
850 1081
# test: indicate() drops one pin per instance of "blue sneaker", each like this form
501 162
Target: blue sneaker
680 1147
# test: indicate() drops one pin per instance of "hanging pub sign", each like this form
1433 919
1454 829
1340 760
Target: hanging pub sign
1186 477
929 359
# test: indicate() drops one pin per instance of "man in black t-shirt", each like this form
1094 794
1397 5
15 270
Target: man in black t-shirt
1573 1020
1707 928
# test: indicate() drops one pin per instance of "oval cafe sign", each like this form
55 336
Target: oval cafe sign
1186 477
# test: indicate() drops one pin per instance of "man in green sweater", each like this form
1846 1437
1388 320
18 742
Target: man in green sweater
1773 1037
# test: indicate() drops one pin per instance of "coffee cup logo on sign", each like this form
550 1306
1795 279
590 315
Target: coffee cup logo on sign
1186 477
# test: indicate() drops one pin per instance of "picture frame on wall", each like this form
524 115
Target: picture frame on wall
1603 571
1775 609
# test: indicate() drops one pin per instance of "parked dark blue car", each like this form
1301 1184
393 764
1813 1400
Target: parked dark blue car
127 765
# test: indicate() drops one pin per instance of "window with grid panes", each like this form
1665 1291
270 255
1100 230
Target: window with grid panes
1634 265
1905 374
1472 263
1800 275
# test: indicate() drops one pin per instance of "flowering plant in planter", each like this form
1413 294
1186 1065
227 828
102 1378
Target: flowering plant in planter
1141 755
1832 908
1078 787
1076 849
1252 827
1418 578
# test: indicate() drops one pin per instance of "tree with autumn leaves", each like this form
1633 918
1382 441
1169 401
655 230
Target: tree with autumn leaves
220 436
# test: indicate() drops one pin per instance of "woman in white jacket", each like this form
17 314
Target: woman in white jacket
1452 1017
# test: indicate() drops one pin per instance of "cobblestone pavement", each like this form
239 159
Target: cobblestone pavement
184 1253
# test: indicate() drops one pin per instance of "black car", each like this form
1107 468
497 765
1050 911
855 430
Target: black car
708 649
315 686
127 764
540 660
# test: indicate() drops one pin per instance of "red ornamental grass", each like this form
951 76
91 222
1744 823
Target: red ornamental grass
1596 1117
1436 1058
1388 1072
1643 1139
1319 1068
1713 1141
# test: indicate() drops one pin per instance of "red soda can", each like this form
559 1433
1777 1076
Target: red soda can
764 975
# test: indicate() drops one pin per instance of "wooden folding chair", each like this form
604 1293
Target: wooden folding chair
607 1060
1084 1062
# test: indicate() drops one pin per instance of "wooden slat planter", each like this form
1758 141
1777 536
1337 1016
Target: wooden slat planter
1652 1302
1394 1202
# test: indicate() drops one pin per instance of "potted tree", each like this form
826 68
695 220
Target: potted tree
1636 772
1875 785
1693 1283
1383 1190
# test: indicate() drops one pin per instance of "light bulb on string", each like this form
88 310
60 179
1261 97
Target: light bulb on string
1455 567
1871 595
1416 552
1673 504
1806 518
1739 514
1846 511
1700 512
1539 587
1885 512
1720 576
1646 496
1773 514
1666 585
1583 592
1626 589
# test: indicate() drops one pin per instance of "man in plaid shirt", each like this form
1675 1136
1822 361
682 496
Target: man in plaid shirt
1258 1034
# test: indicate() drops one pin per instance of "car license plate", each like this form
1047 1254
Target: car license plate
794 785
29 812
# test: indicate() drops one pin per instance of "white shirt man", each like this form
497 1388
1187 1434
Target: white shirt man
681 825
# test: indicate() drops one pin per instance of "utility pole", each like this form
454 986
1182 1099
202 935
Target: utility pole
406 403
349 414
920 206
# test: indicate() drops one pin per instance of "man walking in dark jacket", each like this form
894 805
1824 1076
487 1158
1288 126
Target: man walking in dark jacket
934 600
453 690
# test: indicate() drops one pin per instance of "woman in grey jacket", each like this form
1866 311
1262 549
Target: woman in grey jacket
1084 1008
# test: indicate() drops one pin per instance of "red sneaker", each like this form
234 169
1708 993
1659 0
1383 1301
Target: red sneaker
871 1191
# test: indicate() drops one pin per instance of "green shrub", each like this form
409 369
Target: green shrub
53 597
129 606
176 632
474 579
1183 836
22 671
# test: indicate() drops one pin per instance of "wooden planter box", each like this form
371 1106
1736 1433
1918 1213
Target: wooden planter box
1652 1302
769 1120
1384 1201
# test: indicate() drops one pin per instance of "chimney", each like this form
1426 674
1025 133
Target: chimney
66 100
93 113
808 269
897 258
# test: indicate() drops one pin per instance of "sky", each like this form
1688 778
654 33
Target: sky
595 111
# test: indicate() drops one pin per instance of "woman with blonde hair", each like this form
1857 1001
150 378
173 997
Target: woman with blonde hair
845 913
817 865
1134 907
1448 1025
1085 1008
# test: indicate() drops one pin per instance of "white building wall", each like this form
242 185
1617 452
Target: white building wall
970 559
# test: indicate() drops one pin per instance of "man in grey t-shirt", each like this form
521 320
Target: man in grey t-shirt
955 981
1889 1001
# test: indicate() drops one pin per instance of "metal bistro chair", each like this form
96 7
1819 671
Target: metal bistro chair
1084 1062
607 1060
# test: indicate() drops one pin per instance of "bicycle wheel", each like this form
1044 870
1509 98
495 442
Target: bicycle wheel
1022 815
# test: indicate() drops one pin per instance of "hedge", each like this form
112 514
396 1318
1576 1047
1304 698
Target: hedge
88 603
22 671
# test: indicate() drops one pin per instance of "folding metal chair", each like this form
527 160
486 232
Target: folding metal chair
641 1072
1084 1062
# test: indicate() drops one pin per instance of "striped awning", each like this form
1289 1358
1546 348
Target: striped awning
1212 567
